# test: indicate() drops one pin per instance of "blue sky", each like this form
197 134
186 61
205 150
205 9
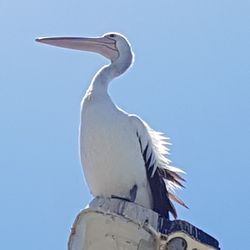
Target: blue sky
191 80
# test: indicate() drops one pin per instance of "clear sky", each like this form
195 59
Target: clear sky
190 80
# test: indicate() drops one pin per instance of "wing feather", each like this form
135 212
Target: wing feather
162 176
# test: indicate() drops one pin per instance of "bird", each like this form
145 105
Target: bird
121 155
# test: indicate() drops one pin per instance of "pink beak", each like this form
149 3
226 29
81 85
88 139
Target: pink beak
102 45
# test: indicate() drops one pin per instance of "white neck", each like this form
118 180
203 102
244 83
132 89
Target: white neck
101 80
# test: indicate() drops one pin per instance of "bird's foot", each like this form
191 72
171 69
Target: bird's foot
120 198
132 193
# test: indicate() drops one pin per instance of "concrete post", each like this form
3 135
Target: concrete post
114 224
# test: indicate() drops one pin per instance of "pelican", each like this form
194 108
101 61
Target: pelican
122 157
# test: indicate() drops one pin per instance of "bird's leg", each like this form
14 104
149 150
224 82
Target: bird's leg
120 198
133 193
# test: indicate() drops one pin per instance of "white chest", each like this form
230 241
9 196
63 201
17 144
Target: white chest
110 151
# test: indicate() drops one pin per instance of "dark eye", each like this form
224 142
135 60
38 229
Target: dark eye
112 35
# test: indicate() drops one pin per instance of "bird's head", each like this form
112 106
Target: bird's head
113 46
125 55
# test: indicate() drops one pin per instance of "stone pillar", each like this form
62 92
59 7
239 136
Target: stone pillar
114 224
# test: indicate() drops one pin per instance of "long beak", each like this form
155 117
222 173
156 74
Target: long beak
102 45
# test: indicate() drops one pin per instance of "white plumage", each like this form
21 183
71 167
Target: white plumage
121 155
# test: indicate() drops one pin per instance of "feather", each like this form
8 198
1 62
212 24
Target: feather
162 177
177 199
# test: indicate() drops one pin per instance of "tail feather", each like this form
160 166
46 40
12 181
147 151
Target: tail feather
177 176
177 199
172 209
161 201
162 177
171 176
